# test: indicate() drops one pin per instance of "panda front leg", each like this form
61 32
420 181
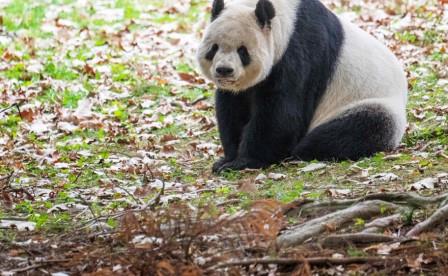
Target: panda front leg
232 114
268 138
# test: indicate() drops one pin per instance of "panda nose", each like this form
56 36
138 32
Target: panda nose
224 71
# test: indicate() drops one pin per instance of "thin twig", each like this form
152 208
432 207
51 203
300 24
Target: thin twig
95 218
200 99
16 105
137 201
27 268
7 108
296 205
151 204
156 201
318 261
355 238
37 264
7 177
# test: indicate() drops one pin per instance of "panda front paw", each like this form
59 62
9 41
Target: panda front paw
216 168
237 164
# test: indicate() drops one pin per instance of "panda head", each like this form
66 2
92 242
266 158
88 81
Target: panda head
237 50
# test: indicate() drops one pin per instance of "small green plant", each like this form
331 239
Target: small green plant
355 252
23 14
223 191
120 72
359 222
407 216
406 37
16 72
59 72
25 207
70 99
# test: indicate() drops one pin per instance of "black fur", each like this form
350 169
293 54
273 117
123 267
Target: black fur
359 132
212 52
217 7
264 12
264 124
244 55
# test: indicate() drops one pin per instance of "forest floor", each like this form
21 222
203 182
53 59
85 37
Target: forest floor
107 137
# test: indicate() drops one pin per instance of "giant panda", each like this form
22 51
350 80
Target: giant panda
296 81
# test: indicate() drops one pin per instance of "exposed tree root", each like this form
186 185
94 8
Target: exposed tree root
341 212
440 216
312 206
381 223
335 220
409 199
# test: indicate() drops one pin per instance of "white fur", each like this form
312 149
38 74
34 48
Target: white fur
282 24
237 25
367 73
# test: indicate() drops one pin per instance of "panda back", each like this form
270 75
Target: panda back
366 72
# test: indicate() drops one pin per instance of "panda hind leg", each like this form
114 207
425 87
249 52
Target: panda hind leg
356 133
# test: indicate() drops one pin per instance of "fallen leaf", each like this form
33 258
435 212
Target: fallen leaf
276 176
247 186
426 183
313 167
260 178
384 177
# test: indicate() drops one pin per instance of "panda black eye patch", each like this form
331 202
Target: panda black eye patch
244 55
212 52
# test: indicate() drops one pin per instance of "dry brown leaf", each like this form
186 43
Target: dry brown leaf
28 115
165 268
187 77
247 186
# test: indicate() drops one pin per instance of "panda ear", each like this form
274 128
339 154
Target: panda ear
264 12
217 7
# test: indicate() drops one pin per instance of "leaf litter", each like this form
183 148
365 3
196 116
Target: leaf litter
107 136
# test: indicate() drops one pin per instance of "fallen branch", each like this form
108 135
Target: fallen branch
356 238
440 216
318 261
335 220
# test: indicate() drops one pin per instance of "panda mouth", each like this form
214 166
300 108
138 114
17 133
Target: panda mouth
225 81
